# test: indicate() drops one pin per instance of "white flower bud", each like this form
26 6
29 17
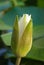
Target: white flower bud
22 35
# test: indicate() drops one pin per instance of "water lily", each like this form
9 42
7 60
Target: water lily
22 35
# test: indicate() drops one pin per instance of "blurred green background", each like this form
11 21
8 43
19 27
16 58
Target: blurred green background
8 11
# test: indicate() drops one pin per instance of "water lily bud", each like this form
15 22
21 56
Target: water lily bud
22 35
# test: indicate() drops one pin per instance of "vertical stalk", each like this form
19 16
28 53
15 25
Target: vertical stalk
14 2
18 60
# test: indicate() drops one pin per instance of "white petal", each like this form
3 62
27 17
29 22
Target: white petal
24 20
28 18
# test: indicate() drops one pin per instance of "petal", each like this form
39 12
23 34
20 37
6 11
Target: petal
15 36
23 22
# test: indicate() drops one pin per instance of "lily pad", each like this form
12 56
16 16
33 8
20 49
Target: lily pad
7 38
5 5
37 15
4 26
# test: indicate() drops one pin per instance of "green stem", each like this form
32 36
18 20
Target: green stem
14 2
18 60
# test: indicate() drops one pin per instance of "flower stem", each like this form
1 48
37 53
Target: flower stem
18 60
